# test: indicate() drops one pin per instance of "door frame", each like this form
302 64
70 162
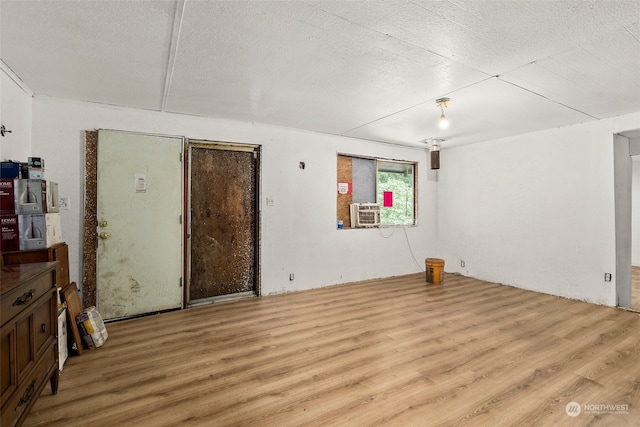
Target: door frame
89 225
626 146
227 146
90 219
622 212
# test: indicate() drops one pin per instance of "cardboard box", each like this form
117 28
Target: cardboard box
10 170
33 231
36 162
63 350
39 231
24 171
54 229
52 197
30 196
34 173
9 233
7 197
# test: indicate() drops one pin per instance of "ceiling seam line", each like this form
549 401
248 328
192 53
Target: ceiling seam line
15 78
578 71
548 99
628 30
415 105
439 55
173 49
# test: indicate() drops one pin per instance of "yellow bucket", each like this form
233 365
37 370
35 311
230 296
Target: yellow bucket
435 270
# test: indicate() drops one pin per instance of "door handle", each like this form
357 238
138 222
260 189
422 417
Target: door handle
104 235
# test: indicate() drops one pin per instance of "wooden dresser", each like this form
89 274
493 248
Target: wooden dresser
29 353
58 252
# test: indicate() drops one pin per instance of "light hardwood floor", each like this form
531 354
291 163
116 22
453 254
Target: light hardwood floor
635 288
394 352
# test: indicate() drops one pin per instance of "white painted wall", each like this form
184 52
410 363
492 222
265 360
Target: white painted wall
534 211
299 232
16 115
635 217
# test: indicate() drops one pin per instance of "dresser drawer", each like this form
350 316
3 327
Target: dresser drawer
45 330
21 297
8 375
28 337
29 389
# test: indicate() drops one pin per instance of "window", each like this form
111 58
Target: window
395 193
388 183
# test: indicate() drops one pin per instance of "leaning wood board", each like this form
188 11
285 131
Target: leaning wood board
74 307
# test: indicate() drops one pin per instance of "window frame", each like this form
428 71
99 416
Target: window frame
378 161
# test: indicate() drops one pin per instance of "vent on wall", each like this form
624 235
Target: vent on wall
365 215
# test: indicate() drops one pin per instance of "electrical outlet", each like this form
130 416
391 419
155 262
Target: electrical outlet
607 277
63 203
291 276
462 264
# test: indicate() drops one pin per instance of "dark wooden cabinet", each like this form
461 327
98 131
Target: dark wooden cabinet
28 336
58 252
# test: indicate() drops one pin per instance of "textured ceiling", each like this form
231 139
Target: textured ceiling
367 69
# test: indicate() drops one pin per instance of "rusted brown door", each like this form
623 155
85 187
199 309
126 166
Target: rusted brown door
223 220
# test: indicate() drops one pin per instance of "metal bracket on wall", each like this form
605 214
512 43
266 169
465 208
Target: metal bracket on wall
3 130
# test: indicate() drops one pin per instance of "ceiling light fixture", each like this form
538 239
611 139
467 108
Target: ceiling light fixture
442 103
434 151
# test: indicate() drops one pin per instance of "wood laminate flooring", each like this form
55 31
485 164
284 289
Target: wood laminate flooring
394 351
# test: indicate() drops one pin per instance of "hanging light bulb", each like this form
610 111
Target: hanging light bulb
442 103
444 122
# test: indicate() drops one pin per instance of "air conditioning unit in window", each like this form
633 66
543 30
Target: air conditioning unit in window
365 215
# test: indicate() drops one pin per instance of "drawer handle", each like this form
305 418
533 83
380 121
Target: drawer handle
27 395
24 298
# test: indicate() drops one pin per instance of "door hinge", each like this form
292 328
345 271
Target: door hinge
180 282
180 157
180 219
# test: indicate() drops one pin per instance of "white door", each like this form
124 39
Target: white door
139 254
